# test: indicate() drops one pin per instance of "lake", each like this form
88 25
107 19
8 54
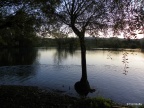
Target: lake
118 75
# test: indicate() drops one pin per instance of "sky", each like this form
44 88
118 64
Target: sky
139 36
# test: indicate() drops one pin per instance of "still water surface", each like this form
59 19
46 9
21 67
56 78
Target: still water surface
60 70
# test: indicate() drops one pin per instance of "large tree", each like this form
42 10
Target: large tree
84 17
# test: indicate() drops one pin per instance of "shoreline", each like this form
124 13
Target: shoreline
33 97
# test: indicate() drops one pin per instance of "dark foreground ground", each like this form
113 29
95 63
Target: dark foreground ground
32 97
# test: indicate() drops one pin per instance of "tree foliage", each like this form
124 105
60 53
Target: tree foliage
129 18
18 29
83 15
21 20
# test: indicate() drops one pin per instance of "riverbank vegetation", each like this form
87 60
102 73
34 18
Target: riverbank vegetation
113 42
73 43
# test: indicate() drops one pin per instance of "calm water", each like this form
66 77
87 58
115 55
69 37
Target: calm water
60 70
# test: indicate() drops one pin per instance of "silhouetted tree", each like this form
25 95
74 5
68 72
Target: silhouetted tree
21 20
82 16
90 17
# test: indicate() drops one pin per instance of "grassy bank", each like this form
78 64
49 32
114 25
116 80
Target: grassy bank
33 97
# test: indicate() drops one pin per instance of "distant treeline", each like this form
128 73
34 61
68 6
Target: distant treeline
73 43
58 42
112 42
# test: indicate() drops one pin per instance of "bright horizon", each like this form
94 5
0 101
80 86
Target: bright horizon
139 36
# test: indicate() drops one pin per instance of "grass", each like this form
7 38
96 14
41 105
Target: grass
33 97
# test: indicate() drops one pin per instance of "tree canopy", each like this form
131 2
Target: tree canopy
21 20
98 17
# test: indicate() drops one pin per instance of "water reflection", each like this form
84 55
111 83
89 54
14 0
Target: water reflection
20 56
105 75
62 54
82 87
125 62
13 73
16 64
